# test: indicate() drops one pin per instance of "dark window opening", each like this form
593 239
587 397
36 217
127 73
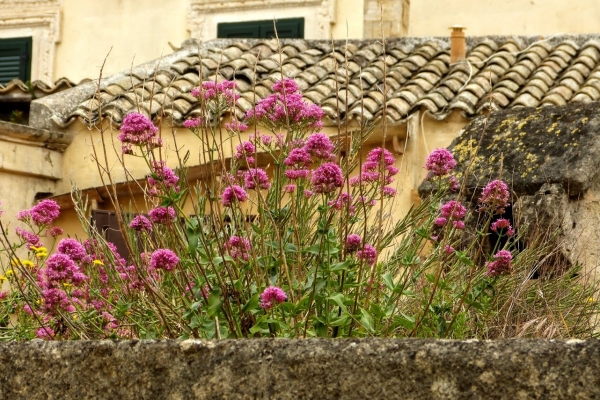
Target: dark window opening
291 28
107 224
15 59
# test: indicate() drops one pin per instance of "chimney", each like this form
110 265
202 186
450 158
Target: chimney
458 46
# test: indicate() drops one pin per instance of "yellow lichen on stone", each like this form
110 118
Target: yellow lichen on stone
584 120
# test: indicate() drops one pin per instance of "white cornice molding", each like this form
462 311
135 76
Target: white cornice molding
201 12
40 19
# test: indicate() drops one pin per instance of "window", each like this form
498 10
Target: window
292 28
15 59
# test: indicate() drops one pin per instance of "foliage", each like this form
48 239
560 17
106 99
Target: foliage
285 240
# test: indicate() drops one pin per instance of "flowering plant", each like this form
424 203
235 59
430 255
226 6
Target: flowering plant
283 240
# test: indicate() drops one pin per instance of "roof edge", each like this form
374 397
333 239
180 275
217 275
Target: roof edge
36 136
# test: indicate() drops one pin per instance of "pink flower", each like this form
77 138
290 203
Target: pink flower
56 231
232 195
494 198
45 333
44 212
192 123
221 93
452 211
238 247
368 254
440 162
372 169
163 259
353 243
389 191
326 178
290 188
162 179
344 200
3 295
271 296
308 194
140 223
71 248
502 224
236 126
138 130
30 238
500 265
245 151
320 146
256 177
286 109
449 249
162 215
294 174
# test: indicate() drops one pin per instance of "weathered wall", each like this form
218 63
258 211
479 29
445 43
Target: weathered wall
293 369
508 17
128 29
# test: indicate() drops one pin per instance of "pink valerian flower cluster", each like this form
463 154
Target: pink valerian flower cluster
72 248
162 179
368 254
162 215
500 265
503 225
246 151
298 161
343 201
271 296
256 179
372 172
327 178
42 214
440 163
192 123
319 145
56 231
236 126
232 195
285 106
220 94
238 248
138 130
164 259
140 223
494 198
30 238
353 243
60 272
454 212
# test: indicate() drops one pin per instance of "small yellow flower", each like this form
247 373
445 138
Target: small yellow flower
127 312
67 285
98 262
38 301
27 263
10 273
591 300
40 252
74 317
2 278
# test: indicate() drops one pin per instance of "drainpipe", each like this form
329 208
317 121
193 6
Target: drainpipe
458 46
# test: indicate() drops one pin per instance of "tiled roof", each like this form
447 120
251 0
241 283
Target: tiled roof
17 90
502 71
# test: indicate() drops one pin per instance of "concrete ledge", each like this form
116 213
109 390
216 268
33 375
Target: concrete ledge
297 369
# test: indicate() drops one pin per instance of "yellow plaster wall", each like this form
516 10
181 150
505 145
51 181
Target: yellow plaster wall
507 17
90 28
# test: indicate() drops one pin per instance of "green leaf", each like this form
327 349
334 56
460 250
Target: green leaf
430 278
342 320
251 304
214 302
194 323
341 266
217 260
405 321
321 329
338 299
367 320
462 256
290 248
388 280
314 249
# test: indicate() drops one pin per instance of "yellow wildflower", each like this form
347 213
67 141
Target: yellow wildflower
98 262
2 278
67 285
10 273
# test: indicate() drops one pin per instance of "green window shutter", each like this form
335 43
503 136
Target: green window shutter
291 28
15 59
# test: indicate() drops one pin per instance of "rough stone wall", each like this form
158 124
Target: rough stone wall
300 369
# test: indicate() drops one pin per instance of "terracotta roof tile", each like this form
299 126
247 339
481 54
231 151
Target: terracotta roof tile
502 71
